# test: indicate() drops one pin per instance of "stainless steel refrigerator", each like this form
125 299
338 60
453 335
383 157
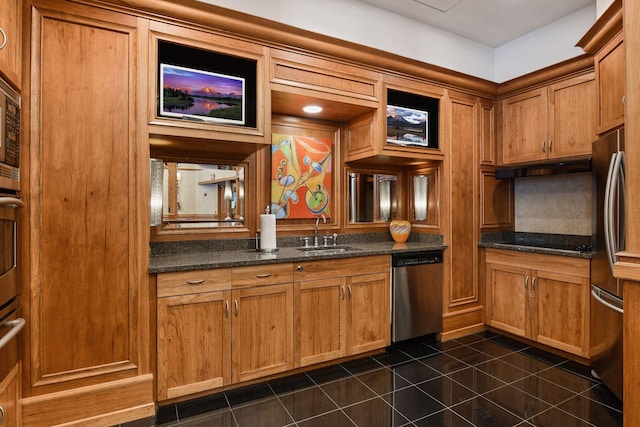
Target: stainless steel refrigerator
608 238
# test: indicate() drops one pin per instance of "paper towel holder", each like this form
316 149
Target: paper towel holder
267 210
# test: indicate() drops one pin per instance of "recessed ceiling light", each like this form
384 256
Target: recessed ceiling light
312 109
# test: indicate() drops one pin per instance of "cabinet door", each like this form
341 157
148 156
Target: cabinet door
507 298
561 311
572 117
9 399
194 343
10 54
262 338
525 127
610 75
319 314
88 227
368 313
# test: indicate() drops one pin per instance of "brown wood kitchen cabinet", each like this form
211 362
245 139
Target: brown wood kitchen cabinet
610 76
605 41
194 332
551 122
11 38
223 326
262 322
541 297
86 229
339 313
9 399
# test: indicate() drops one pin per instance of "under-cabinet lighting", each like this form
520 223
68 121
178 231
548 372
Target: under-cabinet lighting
156 178
385 199
312 109
420 196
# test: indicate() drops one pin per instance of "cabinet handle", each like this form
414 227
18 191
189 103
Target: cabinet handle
526 282
3 416
195 282
533 287
263 275
544 146
4 43
624 98
350 292
550 144
236 304
226 308
343 293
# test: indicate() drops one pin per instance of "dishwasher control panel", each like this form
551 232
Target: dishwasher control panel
416 258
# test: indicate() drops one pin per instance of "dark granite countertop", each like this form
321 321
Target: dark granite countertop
550 244
205 255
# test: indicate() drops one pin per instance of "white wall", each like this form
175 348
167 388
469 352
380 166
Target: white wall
602 6
546 46
365 24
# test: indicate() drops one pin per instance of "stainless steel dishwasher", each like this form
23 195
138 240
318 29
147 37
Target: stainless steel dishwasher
416 294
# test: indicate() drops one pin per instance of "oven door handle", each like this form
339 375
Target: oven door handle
11 201
16 326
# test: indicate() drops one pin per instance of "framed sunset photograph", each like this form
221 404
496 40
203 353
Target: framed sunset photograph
200 95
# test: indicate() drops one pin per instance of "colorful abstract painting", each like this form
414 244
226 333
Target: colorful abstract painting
300 176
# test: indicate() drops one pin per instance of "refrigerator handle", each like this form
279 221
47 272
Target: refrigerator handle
622 204
613 305
615 223
608 211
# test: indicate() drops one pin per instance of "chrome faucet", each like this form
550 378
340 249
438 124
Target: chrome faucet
315 232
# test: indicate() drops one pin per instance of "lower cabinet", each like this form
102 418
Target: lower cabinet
211 334
544 298
338 313
226 326
9 399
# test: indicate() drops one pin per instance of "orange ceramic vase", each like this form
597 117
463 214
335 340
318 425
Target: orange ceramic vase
400 230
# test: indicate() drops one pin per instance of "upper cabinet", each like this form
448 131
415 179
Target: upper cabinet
205 87
605 41
551 122
11 40
610 76
405 129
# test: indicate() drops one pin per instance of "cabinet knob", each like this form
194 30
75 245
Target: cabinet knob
299 268
4 43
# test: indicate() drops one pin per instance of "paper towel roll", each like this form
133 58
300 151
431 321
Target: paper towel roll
267 231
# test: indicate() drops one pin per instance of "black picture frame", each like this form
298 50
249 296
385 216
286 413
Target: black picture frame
412 119
205 61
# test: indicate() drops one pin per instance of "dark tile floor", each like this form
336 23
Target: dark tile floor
482 379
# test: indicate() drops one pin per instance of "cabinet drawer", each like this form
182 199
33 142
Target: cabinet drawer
341 267
309 72
193 282
259 275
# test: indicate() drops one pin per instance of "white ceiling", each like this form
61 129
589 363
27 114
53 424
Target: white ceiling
490 22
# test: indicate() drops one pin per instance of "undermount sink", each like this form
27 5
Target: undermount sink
318 250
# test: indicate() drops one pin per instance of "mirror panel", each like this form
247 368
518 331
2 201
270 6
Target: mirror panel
372 197
199 195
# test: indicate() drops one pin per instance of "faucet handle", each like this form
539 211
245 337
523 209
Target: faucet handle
305 239
326 238
335 239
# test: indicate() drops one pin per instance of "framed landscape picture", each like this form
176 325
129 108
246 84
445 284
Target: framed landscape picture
407 126
200 95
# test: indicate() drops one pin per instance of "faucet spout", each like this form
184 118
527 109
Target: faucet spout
315 231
